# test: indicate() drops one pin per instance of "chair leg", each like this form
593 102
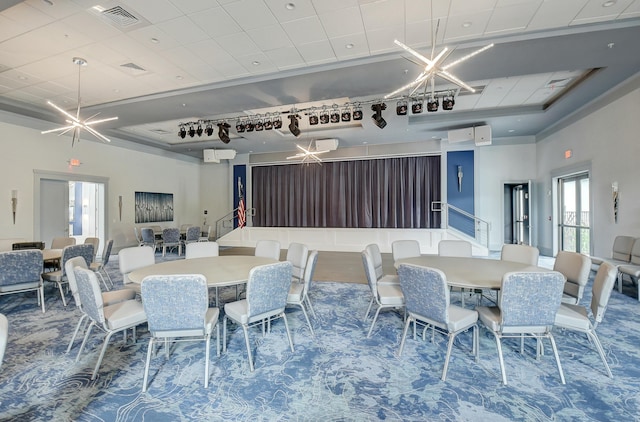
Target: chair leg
108 276
452 337
368 309
146 366
104 283
286 326
404 334
555 352
599 348
313 312
41 297
217 339
102 352
224 334
373 322
246 340
501 359
75 333
206 360
64 301
84 340
307 318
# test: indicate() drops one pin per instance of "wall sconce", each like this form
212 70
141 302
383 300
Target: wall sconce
14 203
614 190
120 206
460 175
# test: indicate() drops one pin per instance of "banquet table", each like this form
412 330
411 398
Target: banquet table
220 271
471 272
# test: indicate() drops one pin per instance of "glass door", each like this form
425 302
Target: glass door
574 227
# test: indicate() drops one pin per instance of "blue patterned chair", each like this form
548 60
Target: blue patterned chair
192 235
59 277
267 290
177 309
298 293
108 298
386 296
171 239
20 271
111 319
4 336
426 296
575 317
99 267
149 238
527 307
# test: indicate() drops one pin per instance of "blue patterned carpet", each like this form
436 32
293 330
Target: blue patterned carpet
339 375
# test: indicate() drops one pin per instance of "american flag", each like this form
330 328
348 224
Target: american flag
242 216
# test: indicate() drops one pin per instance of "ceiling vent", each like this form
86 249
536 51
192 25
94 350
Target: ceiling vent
120 17
479 89
160 131
133 68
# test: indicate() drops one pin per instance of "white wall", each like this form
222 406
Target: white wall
609 141
194 185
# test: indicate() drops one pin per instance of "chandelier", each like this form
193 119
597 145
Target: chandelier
74 123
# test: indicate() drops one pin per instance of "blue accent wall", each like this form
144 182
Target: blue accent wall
463 198
239 171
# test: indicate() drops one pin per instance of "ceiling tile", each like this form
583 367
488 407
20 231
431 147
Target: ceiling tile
146 36
257 63
495 91
216 22
270 37
358 46
323 6
238 45
9 28
57 10
285 58
317 52
231 69
381 40
183 30
250 14
457 26
466 7
512 17
383 14
91 26
192 6
523 89
595 12
28 17
155 11
633 11
557 14
341 22
305 31
210 51
302 9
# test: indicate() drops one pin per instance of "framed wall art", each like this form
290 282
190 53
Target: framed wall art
153 207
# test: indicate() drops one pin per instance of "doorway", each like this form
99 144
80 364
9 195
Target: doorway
517 210
574 231
70 205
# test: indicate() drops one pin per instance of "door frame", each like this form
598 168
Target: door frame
39 175
530 187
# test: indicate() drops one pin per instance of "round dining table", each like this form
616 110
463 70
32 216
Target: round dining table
220 271
471 272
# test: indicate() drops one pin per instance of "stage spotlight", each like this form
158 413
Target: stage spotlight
416 106
433 104
313 117
223 132
192 131
182 132
209 129
199 131
240 127
293 126
346 114
377 116
277 122
324 115
249 126
334 117
357 113
448 102
259 123
268 123
401 108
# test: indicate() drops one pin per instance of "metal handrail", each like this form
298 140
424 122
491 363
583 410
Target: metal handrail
481 227
224 224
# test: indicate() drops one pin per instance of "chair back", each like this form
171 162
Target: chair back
171 235
374 252
268 249
201 250
193 234
184 227
530 299
206 233
62 242
175 304
622 247
309 270
267 290
95 241
297 254
456 248
405 249
425 292
576 268
69 266
370 272
20 267
601 291
148 237
138 235
133 258
85 251
523 254
635 254
4 336
106 253
90 294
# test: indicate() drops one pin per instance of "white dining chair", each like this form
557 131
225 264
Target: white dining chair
402 249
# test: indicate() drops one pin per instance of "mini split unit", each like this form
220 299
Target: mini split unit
481 135
215 155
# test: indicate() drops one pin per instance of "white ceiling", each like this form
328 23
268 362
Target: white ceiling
184 60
